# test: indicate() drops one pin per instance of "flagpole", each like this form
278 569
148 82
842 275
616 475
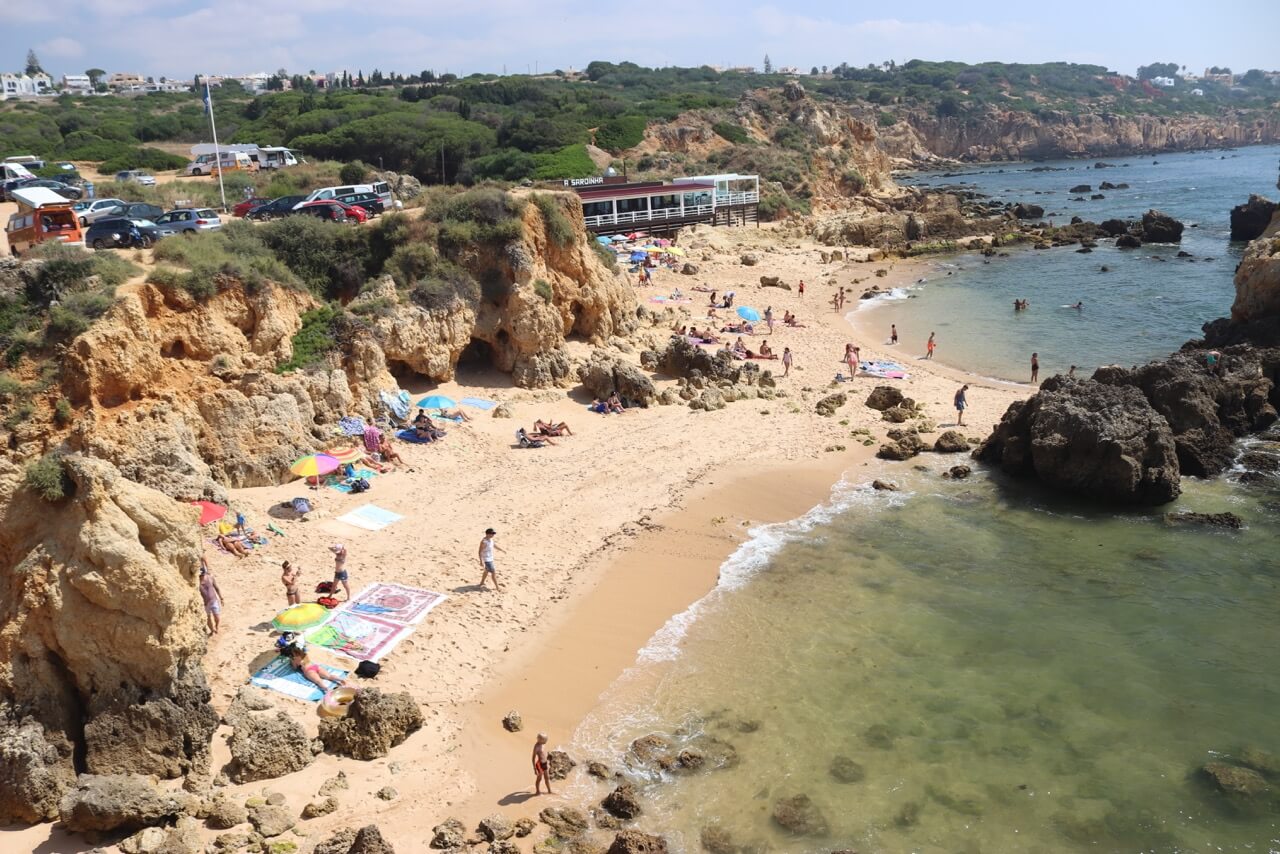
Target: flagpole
217 153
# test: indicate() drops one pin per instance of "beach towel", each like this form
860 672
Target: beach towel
458 419
279 675
370 517
372 435
364 637
396 603
412 436
479 403
343 484
397 403
351 425
884 370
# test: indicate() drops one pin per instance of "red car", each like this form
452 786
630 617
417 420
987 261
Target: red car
334 211
247 205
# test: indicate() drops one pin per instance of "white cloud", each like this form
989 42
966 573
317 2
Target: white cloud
61 48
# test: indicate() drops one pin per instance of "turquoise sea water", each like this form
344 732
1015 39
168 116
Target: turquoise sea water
1145 306
988 667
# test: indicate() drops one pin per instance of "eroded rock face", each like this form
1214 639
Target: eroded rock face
121 802
604 374
800 816
1082 436
375 722
264 746
1258 278
635 842
1250 220
102 634
35 770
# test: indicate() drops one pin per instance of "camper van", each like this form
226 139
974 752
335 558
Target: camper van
265 157
9 171
42 216
379 188
231 161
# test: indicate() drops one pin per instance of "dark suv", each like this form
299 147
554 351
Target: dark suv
282 206
111 232
138 210
371 202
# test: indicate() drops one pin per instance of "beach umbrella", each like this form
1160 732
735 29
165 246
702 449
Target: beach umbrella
675 250
299 618
602 239
437 401
652 249
313 465
746 312
209 512
638 256
636 235
662 241
346 455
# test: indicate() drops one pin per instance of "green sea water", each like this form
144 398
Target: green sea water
1008 671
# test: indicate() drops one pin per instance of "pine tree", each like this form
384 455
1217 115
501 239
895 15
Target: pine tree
768 64
33 63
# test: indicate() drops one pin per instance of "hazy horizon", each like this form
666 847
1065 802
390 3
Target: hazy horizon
180 38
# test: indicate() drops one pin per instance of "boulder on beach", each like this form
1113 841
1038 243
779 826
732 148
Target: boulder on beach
1090 438
883 397
264 746
1027 211
512 721
635 842
604 374
622 802
375 722
448 834
120 802
565 822
829 404
495 827
559 764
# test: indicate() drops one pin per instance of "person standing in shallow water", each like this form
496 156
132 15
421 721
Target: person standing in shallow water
929 347
961 403
540 773
1035 366
893 333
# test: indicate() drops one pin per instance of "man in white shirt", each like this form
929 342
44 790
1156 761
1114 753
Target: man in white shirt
487 546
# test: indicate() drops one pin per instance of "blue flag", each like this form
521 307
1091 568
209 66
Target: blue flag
208 101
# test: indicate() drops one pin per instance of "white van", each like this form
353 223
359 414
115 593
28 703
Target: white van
380 188
231 161
9 171
273 157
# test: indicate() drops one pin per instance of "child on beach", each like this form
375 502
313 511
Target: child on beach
930 346
540 774
893 333
340 574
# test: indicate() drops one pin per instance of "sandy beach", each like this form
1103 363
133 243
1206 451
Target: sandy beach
606 535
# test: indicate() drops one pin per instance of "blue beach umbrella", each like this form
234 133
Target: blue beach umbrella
638 256
746 312
437 401
602 240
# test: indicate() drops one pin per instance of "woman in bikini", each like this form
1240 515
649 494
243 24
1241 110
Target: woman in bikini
317 674
290 576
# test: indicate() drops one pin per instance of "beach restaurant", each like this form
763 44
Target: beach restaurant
610 202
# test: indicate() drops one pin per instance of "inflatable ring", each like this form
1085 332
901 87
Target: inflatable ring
335 702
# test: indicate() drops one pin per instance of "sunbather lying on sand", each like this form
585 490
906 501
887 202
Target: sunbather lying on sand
740 350
232 545
546 428
317 674
743 328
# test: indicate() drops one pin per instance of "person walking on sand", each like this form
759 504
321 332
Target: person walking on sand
893 333
842 297
929 347
540 772
1035 366
768 318
340 574
212 597
961 403
290 576
786 361
851 354
802 287
487 546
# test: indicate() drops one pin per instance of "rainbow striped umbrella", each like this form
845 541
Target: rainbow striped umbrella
313 465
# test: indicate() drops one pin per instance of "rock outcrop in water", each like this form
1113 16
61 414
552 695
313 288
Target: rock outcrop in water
101 635
1250 220
1258 278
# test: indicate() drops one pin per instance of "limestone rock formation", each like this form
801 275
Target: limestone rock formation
120 802
636 842
264 746
101 633
884 397
366 840
565 822
951 442
1250 220
495 827
622 802
1258 278
375 722
448 834
604 374
1090 438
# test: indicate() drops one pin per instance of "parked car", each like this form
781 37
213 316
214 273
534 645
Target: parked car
113 232
92 211
188 221
247 205
140 210
276 208
327 210
371 202
64 190
138 176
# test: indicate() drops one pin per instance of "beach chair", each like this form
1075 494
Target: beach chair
527 442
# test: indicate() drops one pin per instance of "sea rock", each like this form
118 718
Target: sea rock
951 442
799 816
897 414
958 472
635 842
1258 278
604 821
599 770
845 770
1250 220
622 802
317 808
1235 780
1212 520
1082 188
882 485
1260 760
265 746
902 449
559 764
604 374
375 722
448 834
1158 227
223 812
1027 211
1128 241
525 826
1113 227
35 770
884 397
829 404
565 822
749 259
495 827
271 819
688 269
513 722
120 802
1087 437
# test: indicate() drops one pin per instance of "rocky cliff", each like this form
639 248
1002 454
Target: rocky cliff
101 636
1017 135
1258 277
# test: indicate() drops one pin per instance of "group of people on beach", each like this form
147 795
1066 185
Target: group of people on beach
291 577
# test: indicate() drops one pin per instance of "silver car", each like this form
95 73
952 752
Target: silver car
94 210
146 179
188 221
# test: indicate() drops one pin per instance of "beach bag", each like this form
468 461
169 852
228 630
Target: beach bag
368 669
360 485
328 602
324 587
301 505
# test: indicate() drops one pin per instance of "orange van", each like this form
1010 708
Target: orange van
42 216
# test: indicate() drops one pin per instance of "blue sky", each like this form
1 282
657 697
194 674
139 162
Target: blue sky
178 38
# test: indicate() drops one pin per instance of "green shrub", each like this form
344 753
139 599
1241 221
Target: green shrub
10 387
559 229
112 269
621 133
18 414
885 119
380 307
411 262
48 478
853 179
129 157
446 288
353 173
76 312
731 132
330 258
64 270
542 288
572 161
314 341
62 413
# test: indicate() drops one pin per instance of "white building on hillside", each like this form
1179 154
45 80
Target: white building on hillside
126 80
77 84
1199 93
1163 82
25 85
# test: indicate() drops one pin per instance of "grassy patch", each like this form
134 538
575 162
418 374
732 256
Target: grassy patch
542 288
731 132
559 229
48 478
313 342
